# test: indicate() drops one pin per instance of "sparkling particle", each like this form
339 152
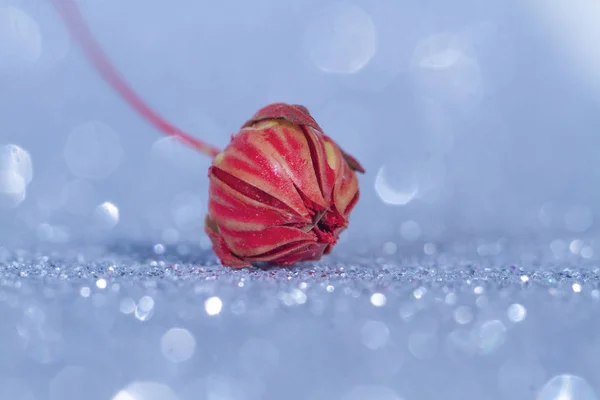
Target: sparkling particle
298 295
566 387
429 249
415 175
213 305
516 312
287 298
146 303
575 246
93 150
391 192
419 292
101 283
145 308
375 334
330 288
14 158
524 278
378 299
341 38
106 215
159 249
576 287
48 320
390 248
177 345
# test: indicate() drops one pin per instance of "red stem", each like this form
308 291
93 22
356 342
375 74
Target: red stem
75 22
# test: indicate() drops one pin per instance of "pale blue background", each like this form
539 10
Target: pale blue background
477 120
495 126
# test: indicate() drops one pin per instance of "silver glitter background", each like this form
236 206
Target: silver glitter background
470 267
132 325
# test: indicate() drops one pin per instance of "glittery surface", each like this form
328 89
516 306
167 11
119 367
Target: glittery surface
469 270
130 324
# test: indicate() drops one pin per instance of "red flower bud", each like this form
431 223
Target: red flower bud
281 192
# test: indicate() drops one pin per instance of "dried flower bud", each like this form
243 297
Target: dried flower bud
281 192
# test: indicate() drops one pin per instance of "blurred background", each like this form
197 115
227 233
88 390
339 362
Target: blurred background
477 122
473 119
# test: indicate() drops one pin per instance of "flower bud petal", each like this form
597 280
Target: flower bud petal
295 114
256 243
281 192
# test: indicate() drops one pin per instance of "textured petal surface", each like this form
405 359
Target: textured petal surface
293 254
325 175
295 114
345 194
289 148
250 159
221 249
253 243
353 163
281 192
232 208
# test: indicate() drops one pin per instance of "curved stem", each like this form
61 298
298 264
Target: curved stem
76 24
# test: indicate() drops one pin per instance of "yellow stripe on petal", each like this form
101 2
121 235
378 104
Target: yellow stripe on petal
332 155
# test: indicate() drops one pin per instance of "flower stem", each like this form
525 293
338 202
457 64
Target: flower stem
76 24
